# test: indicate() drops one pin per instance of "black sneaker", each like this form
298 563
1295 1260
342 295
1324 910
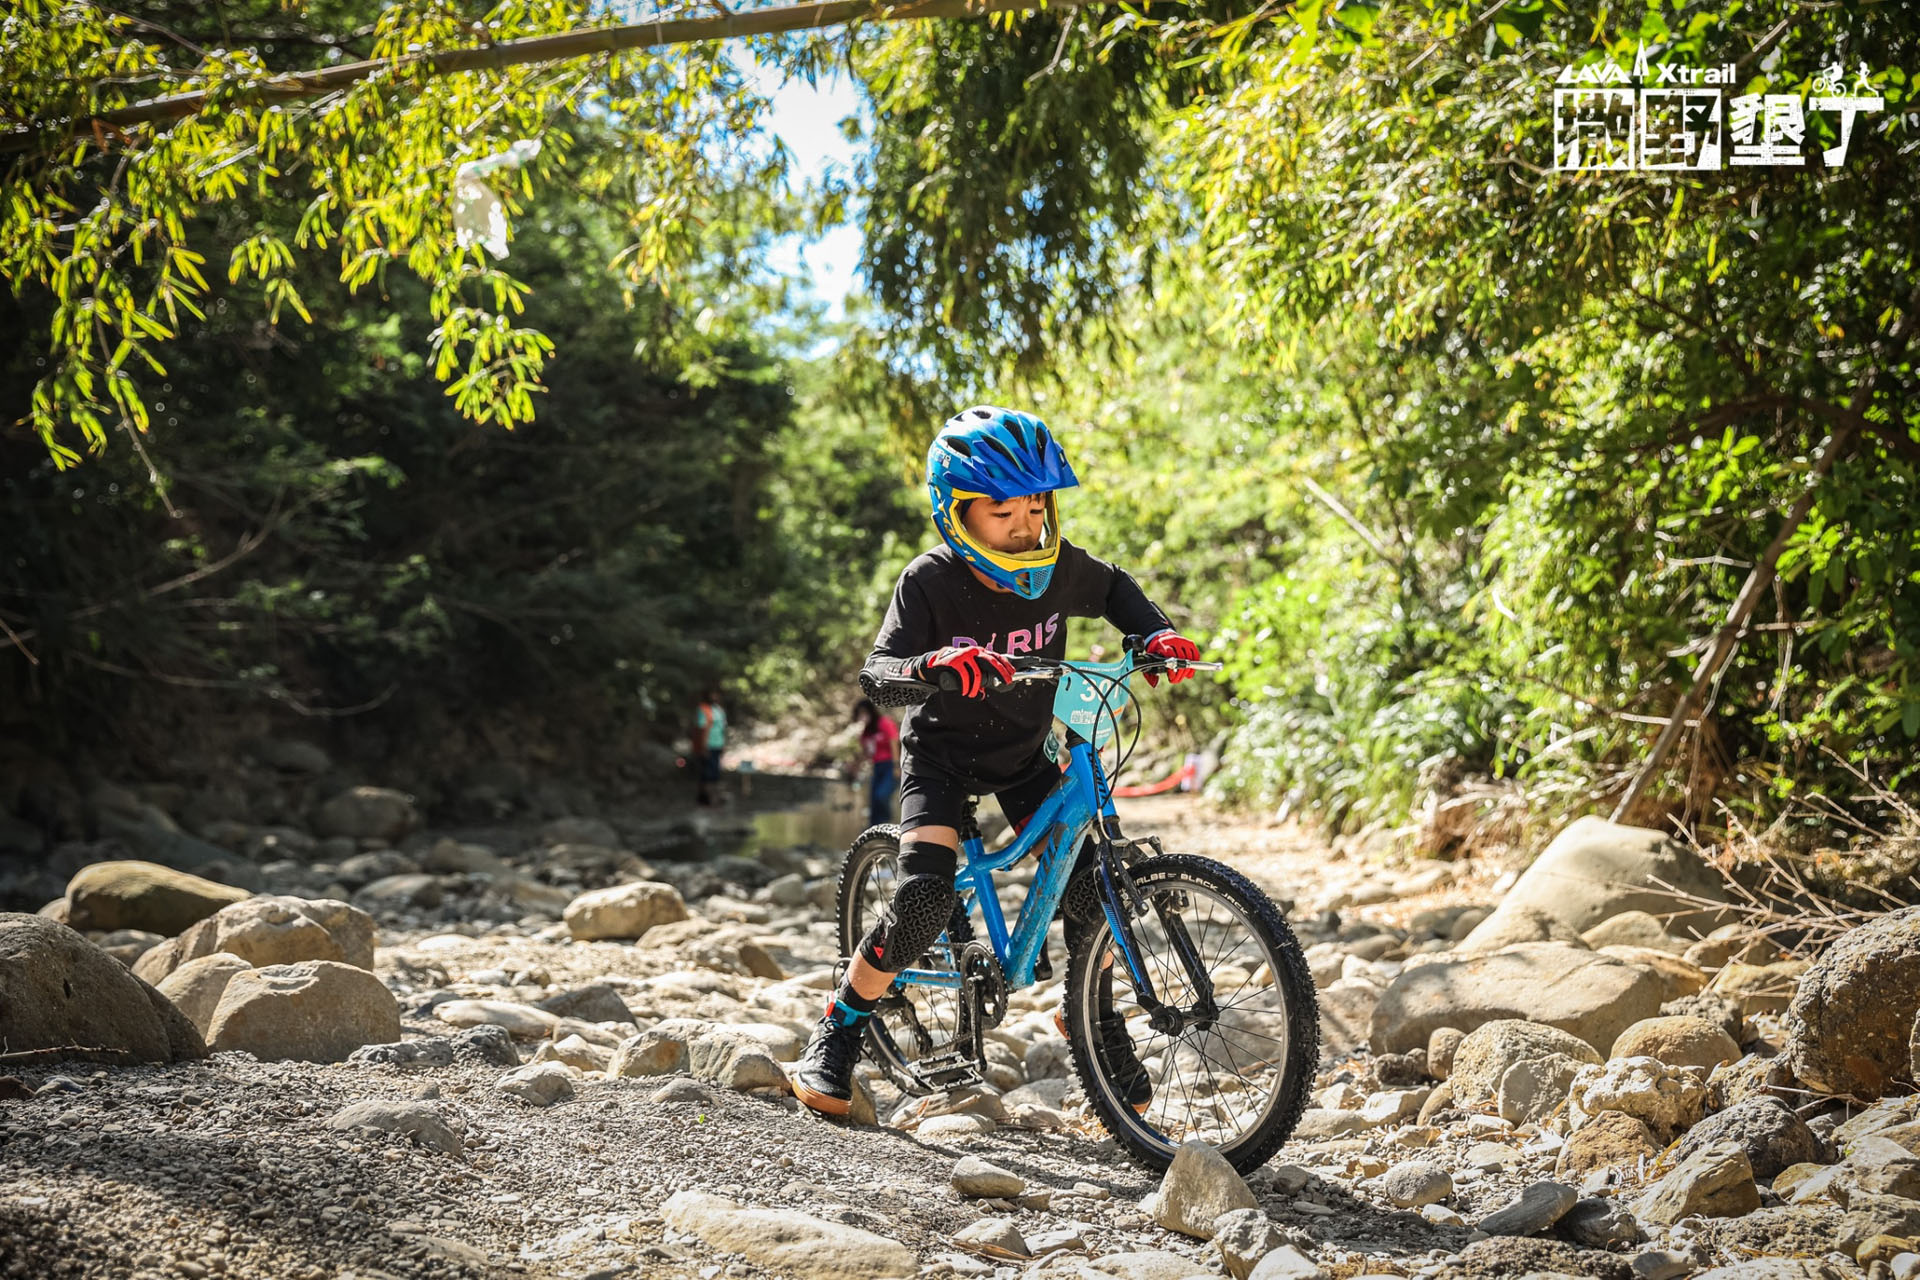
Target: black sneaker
823 1077
1124 1067
1129 1076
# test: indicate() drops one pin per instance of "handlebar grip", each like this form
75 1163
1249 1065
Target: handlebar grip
1135 645
896 693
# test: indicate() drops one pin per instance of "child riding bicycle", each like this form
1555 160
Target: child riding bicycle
1003 582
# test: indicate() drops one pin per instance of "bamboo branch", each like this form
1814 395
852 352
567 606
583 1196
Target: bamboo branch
553 48
1352 521
1727 638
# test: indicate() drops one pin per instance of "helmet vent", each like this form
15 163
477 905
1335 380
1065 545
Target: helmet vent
1003 451
960 447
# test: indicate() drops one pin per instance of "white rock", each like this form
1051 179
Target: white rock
575 1052
998 1237
1668 1099
1147 1264
1533 1089
1391 1106
1287 1263
1243 1237
624 911
786 1242
973 1176
415 1120
948 1128
522 1021
539 1084
315 1011
783 1043
660 1050
196 986
1492 1049
1198 1187
1415 1183
734 1061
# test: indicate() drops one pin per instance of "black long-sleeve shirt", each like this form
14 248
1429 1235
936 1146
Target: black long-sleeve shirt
938 602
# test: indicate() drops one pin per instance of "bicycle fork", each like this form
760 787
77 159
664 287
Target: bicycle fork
1123 902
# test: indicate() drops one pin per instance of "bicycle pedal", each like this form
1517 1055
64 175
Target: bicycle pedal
950 1070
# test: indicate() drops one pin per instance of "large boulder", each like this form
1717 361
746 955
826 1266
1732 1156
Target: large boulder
195 987
57 990
367 813
1632 929
1678 1042
1611 1140
1851 1024
166 845
1595 870
1592 996
1346 1016
1504 928
143 895
624 911
786 1242
272 930
1767 1129
1713 1182
314 1011
1493 1048
1678 978
290 755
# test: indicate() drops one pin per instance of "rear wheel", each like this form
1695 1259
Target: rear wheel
1233 1072
916 1021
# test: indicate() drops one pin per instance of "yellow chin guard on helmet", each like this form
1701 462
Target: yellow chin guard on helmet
1026 573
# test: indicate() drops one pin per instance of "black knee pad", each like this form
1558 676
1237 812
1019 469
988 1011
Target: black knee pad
921 908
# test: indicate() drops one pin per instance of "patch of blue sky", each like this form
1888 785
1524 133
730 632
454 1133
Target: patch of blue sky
807 120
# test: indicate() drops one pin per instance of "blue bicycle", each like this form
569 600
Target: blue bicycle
1218 1005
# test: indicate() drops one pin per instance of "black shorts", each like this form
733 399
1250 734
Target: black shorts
932 797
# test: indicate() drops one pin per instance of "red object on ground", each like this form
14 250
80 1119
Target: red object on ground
1182 774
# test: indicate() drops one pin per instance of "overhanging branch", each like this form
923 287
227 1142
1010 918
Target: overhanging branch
554 48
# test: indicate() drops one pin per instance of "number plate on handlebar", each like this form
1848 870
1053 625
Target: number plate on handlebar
1089 704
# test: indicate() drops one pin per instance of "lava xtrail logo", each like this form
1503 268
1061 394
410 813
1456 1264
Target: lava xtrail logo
1668 116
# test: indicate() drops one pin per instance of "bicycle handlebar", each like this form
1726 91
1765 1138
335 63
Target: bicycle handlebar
1029 668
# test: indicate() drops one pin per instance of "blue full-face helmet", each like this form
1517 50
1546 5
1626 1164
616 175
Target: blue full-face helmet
998 454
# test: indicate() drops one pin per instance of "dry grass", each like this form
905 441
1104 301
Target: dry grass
1802 901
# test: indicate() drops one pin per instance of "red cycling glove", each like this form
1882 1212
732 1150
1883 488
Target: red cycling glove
1171 644
964 661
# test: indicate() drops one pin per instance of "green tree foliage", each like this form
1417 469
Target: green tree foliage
108 223
329 535
1519 434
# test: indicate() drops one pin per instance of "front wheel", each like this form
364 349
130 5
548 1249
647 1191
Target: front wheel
1232 1070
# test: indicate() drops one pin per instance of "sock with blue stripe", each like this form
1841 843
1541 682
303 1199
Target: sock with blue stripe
849 1009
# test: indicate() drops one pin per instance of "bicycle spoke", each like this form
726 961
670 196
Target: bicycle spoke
1222 1081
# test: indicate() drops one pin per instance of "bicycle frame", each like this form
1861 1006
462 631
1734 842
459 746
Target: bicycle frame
1063 820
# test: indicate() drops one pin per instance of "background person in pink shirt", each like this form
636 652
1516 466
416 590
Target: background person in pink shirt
880 746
